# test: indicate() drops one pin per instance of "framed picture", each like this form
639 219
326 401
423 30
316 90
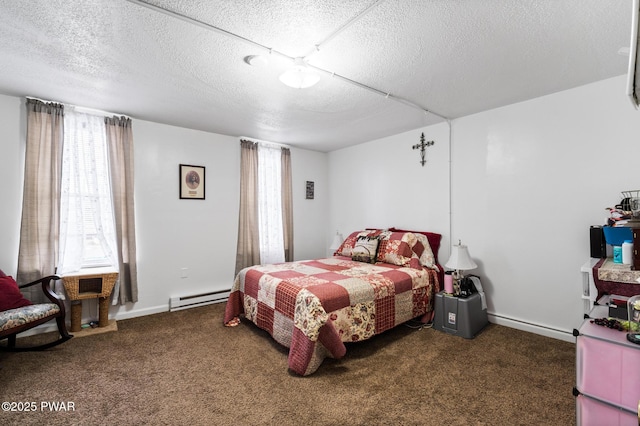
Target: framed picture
309 190
191 182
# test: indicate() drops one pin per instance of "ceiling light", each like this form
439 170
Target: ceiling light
300 76
256 60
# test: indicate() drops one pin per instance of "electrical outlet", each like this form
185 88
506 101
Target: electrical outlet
184 272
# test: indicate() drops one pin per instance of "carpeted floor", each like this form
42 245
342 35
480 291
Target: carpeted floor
186 368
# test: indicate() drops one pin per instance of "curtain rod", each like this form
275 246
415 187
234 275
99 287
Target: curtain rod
81 108
261 142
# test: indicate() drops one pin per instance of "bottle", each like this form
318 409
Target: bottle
627 252
617 254
448 282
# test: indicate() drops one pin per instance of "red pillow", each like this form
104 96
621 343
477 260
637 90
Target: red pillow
10 296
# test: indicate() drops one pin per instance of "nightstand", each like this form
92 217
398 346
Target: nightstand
459 316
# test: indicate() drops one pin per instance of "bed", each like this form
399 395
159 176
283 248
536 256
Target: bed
376 280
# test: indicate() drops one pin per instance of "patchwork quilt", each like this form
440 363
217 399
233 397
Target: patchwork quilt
313 307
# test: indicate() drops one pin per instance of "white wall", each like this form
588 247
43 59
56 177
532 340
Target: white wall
381 184
528 181
310 220
172 234
12 143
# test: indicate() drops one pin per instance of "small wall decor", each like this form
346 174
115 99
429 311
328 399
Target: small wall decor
309 190
422 147
191 182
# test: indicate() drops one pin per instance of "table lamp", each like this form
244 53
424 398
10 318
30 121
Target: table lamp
337 241
460 260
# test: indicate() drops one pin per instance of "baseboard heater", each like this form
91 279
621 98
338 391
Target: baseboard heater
179 303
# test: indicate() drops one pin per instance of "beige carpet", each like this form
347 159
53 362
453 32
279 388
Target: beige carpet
186 368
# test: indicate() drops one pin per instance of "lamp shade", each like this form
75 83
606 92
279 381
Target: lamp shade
460 259
337 240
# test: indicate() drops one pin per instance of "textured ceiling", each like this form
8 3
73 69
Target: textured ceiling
168 61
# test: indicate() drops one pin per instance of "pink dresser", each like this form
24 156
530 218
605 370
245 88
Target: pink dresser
607 374
590 411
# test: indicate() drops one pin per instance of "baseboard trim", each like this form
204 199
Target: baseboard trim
542 330
141 312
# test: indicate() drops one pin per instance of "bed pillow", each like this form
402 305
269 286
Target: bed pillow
365 249
423 250
392 249
434 239
349 243
406 249
10 296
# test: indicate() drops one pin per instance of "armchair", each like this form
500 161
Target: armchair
18 314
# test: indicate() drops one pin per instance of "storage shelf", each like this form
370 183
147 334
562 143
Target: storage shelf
606 363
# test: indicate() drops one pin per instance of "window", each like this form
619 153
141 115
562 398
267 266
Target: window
270 224
87 234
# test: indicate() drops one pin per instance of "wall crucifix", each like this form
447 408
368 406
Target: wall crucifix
422 146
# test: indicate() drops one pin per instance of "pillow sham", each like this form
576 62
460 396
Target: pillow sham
365 249
424 251
349 243
10 296
433 238
393 250
406 249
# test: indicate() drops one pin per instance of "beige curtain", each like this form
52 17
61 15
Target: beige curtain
248 252
120 145
287 205
38 252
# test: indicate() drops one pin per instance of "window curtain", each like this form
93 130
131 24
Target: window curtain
287 204
39 230
248 250
85 200
120 147
270 223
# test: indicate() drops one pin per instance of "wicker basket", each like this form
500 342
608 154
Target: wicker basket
74 285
